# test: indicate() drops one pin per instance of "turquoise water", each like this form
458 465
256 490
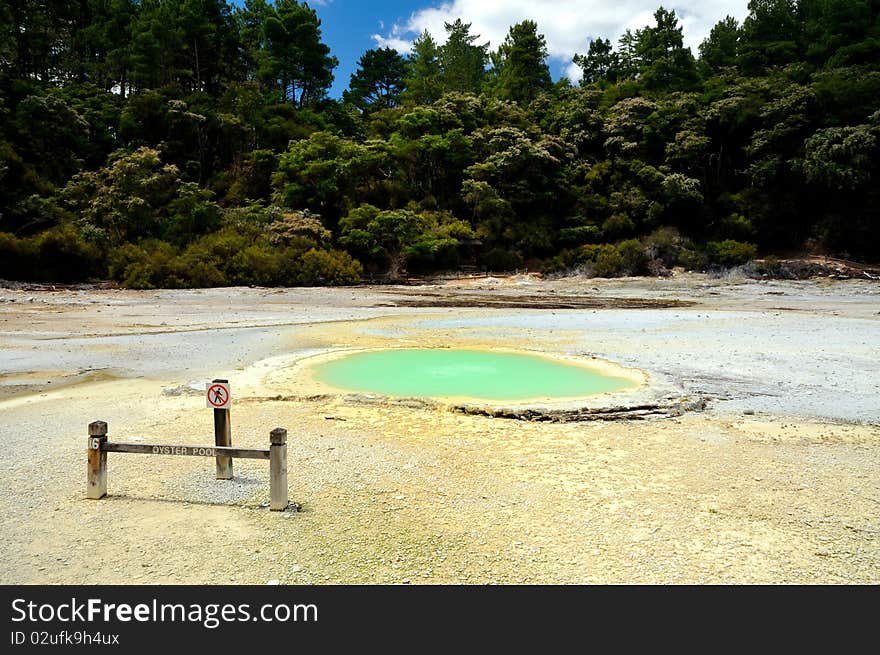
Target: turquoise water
482 374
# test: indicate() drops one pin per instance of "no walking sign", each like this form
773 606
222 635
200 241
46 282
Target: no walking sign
219 396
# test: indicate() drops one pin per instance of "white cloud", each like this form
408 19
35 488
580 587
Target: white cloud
568 25
573 72
402 46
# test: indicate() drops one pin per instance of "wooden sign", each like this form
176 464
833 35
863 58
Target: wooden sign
99 446
219 396
185 451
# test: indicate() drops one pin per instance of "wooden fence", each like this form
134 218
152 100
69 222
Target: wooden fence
99 446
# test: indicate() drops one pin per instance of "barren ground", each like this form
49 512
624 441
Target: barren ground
776 481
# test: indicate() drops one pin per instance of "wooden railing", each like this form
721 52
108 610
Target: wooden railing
99 446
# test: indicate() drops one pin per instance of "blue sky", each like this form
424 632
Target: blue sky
350 27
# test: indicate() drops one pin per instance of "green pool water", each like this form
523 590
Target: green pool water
482 374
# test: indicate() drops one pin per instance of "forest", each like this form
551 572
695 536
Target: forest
193 143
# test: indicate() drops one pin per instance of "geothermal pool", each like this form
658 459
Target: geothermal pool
482 374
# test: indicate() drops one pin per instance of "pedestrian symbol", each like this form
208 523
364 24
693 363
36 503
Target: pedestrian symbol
219 396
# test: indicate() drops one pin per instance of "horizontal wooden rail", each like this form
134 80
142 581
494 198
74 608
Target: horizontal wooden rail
185 451
99 446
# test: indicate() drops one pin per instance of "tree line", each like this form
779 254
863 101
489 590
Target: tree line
193 143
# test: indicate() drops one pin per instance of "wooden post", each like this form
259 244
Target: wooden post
223 437
278 470
96 486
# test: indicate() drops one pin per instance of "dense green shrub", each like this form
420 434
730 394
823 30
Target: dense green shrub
629 257
634 260
499 259
618 225
607 262
579 235
737 226
730 252
260 265
16 257
400 240
233 256
56 255
148 265
599 260
665 244
328 268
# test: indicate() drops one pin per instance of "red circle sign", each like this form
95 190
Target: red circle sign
218 396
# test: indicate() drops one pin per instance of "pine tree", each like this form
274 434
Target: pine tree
628 58
463 63
600 62
378 81
719 49
770 35
295 61
424 84
664 62
521 65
